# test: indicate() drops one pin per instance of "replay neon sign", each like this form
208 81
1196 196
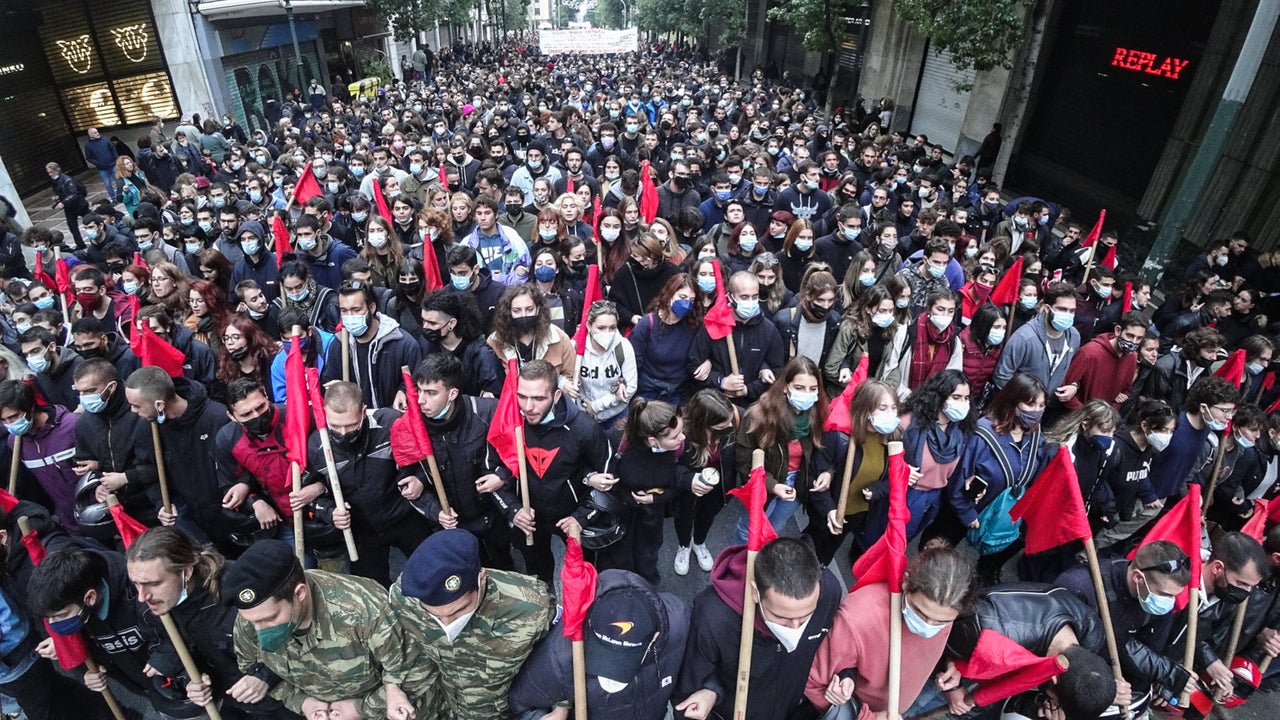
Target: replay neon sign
1149 63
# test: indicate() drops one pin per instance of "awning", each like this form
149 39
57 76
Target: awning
230 9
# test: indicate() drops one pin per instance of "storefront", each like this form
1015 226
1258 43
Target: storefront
1114 83
69 65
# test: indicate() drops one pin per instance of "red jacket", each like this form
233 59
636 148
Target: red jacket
1101 372
978 365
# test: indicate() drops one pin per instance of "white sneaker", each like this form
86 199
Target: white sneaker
704 557
682 561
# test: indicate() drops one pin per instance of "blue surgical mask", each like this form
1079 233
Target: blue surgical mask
811 185
193 247
803 244
22 327
544 273
357 325
1029 301
460 282
1244 442
45 302
333 187
747 309
146 246
218 201
1154 604
706 284
902 303
1103 442
851 235
547 233
187 222
549 417
250 247
90 233
867 279
255 196
723 195
882 320
936 272
307 244
681 307
38 363
20 427
884 422
748 244
298 296
760 191
357 171
956 411
1061 321
802 401
995 337
918 625
415 168
359 216
1256 368
93 402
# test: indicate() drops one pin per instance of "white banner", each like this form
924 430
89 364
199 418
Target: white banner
587 42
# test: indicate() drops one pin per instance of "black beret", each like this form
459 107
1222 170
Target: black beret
258 574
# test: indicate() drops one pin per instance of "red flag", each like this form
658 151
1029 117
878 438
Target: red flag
62 278
838 418
296 423
129 528
1232 369
1274 406
1110 260
502 429
1256 528
1128 298
410 441
317 398
35 548
1181 526
592 295
42 277
152 350
307 188
381 203
1003 668
1053 507
754 495
578 589
139 261
1096 232
648 194
595 217
432 279
886 559
72 650
719 319
7 501
568 185
281 235
444 178
1006 290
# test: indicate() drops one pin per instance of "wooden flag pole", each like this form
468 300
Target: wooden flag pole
733 355
345 337
1237 626
432 467
895 625
1189 654
1100 592
747 636
579 658
1093 253
842 506
295 471
14 462
331 468
1213 479
188 662
166 503
524 477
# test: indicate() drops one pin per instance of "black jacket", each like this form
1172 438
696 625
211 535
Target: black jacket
121 442
1142 637
567 449
759 346
190 443
199 363
121 641
547 676
56 383
462 454
635 287
481 369
368 474
787 321
380 379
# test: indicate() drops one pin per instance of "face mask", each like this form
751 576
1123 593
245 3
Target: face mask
357 171
333 187
460 282
534 164
1029 418
415 168
260 426
609 234
307 244
956 411
747 309
21 426
942 322
547 233
1256 368
805 245
298 296
524 325
193 247
273 638
255 196
1231 594
94 403
772 151
884 422
378 239
1159 441
187 222
1154 604
69 626
1214 425
348 148
706 284
22 327
902 303
604 339
1244 442
748 244
1020 222
802 401
611 686
360 216
681 307
811 184
1029 302
633 129
760 191
734 179
239 353
1103 292
995 337
90 233
87 300
971 252
357 325
545 273
1220 261
936 272
250 247
789 637
1062 320
1103 442
882 320
918 625
39 363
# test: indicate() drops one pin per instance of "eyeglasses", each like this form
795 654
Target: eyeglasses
1226 412
232 338
1169 567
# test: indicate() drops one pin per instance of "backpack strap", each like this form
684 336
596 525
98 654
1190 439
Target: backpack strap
1005 467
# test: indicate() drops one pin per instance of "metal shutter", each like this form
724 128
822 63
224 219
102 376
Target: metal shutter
939 109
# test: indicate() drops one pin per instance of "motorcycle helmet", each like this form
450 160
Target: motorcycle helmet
601 527
322 538
169 696
92 516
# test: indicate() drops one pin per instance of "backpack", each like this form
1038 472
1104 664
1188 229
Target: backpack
996 531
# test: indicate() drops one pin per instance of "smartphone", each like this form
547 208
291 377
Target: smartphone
976 489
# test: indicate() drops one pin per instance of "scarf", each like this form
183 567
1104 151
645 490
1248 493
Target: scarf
944 445
931 351
802 426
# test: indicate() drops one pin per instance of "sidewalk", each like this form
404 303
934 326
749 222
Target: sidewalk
40 205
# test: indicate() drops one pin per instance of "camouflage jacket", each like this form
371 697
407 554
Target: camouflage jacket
351 649
472 675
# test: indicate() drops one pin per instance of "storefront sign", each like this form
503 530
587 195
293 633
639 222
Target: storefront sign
1149 63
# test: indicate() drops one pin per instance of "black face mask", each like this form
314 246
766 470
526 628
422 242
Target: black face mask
578 266
411 288
239 353
524 325
93 352
260 426
348 440
435 336
681 183
1231 594
1204 362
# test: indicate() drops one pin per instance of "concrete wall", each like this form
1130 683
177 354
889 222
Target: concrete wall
11 193
895 53
186 60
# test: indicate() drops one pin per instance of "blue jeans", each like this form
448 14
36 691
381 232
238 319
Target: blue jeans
924 506
778 511
109 179
284 531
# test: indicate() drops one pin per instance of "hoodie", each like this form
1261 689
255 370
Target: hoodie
778 677
1102 372
546 679
49 452
375 366
265 269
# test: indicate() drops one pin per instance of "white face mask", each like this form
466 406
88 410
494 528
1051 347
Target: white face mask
455 628
611 686
789 637
1159 441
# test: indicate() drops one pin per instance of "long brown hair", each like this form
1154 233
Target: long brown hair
707 408
504 329
864 403
772 419
256 342
662 302
179 552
